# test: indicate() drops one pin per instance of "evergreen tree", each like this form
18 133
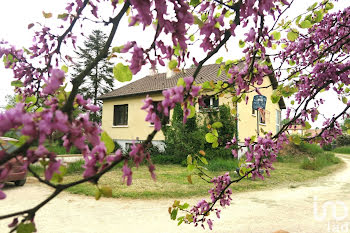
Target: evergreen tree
100 79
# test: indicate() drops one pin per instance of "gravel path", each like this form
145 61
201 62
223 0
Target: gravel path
290 209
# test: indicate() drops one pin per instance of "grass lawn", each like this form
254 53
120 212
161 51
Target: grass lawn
172 181
342 150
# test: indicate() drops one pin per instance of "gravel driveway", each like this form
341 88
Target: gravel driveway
290 209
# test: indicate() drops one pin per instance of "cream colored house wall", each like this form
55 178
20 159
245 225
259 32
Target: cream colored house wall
247 123
138 129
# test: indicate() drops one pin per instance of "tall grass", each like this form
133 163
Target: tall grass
220 164
309 156
342 150
320 161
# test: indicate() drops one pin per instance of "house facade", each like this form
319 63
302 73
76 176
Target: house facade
124 121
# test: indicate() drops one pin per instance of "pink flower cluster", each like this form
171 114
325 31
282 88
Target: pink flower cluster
172 96
220 192
263 153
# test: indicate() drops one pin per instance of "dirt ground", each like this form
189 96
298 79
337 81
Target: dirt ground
294 208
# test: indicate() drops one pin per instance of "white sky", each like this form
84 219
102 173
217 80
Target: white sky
15 16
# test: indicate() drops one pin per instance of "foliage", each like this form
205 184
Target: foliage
100 80
342 150
319 161
177 136
343 140
311 57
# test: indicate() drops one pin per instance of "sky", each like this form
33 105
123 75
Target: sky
15 16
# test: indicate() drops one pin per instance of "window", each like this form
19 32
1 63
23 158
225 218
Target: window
120 116
210 103
278 120
155 104
262 115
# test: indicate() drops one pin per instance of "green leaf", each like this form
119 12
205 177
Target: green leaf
117 49
57 177
26 228
185 206
296 139
173 214
219 60
64 68
307 125
17 83
97 194
189 179
215 132
62 16
306 24
172 64
319 16
198 21
106 191
209 137
47 15
215 144
122 73
189 159
31 99
181 82
194 3
190 167
310 8
329 6
217 125
204 160
275 98
276 35
219 72
241 43
292 35
108 142
192 111
180 219
192 38
344 100
206 85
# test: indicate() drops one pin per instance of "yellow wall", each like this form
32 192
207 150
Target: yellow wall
137 127
247 124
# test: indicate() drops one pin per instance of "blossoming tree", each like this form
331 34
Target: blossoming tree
313 56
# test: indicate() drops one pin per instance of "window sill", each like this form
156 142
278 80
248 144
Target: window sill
120 126
263 124
254 115
214 109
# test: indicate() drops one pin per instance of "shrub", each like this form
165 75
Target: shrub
178 136
220 164
342 150
319 161
343 140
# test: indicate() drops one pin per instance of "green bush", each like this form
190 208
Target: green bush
166 159
182 140
220 164
343 140
342 150
319 161
310 148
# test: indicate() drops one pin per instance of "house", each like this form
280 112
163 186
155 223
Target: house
124 121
